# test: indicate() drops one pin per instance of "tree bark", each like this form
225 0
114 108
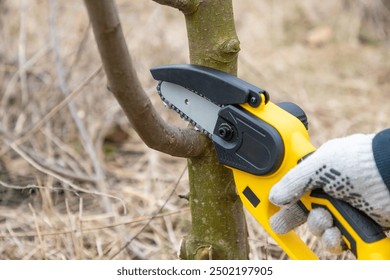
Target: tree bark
218 223
124 84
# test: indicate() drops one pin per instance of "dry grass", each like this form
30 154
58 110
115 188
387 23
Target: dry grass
75 180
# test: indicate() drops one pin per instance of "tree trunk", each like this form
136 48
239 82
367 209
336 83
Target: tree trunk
218 223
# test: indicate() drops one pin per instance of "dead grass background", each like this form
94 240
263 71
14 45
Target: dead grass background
76 182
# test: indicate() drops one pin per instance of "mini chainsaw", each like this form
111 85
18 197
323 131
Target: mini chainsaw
260 142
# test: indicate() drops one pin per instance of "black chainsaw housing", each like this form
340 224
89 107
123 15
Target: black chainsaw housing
217 86
247 143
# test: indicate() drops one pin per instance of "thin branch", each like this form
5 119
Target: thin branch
123 82
44 170
22 51
80 231
152 217
62 171
9 90
63 86
186 6
38 125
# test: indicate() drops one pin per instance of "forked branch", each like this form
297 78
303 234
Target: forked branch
126 87
186 6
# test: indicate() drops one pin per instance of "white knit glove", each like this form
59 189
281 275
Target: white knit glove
346 169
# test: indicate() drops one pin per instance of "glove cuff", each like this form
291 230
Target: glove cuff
381 150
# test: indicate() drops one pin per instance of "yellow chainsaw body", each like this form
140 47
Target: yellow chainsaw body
254 190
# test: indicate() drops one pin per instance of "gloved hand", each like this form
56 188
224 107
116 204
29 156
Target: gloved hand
355 169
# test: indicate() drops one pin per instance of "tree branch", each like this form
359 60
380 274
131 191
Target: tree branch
186 6
124 84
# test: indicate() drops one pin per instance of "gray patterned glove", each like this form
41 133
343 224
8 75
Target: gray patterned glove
355 169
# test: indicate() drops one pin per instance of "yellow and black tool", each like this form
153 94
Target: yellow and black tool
261 141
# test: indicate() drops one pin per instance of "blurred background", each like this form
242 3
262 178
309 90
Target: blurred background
76 182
